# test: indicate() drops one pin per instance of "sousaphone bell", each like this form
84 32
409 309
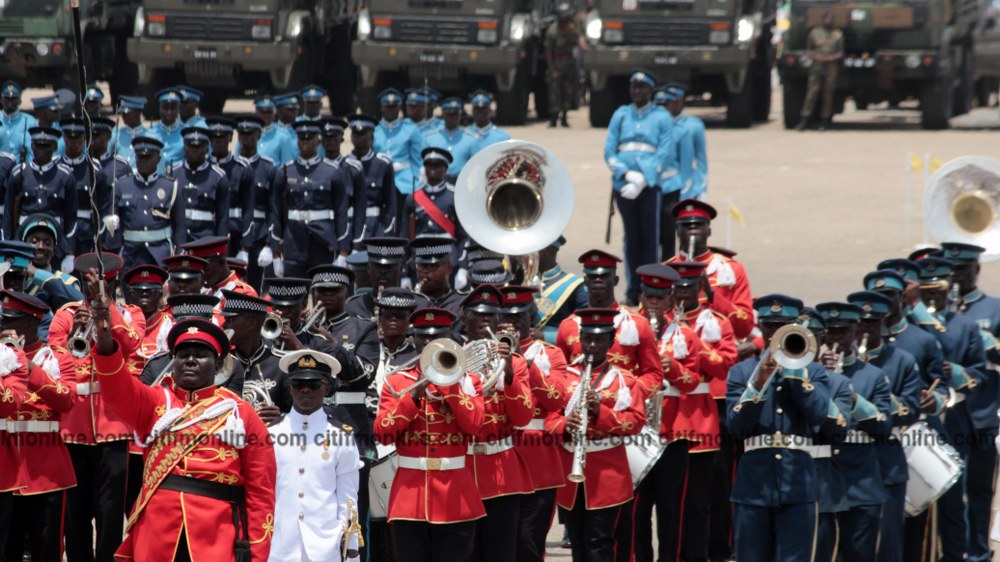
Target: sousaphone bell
960 204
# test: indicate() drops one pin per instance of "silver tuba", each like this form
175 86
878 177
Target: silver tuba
960 204
255 393
515 198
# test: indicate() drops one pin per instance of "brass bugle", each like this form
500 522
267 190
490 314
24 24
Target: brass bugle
271 328
79 343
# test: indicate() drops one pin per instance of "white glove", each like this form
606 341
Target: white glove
637 178
279 267
67 264
631 191
243 256
461 279
341 261
112 222
266 257
355 559
423 175
406 283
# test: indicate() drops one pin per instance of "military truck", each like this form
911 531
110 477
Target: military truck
231 48
457 46
893 51
719 47
37 44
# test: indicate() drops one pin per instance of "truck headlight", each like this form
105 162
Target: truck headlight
744 29
261 29
382 28
42 49
139 25
614 32
912 60
594 26
364 25
487 32
520 27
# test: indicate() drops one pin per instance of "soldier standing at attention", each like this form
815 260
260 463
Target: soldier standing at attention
379 196
401 139
451 136
203 188
168 130
482 129
561 40
130 108
13 121
825 46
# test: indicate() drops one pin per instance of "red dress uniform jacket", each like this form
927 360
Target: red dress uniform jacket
45 462
608 481
232 283
547 379
684 376
438 425
732 297
504 472
718 355
154 336
641 359
13 387
91 420
201 450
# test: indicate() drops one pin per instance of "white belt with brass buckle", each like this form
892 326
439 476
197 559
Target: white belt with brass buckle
306 216
857 437
32 426
87 388
235 213
85 214
342 398
199 215
777 441
536 424
595 445
636 147
819 451
425 463
702 388
397 166
492 447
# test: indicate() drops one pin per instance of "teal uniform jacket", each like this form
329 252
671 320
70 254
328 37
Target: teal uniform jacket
402 141
486 136
14 133
458 142
640 140
697 167
121 141
794 404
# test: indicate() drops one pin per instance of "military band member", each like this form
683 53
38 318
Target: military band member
680 352
240 176
639 140
86 172
561 292
151 222
502 475
546 380
482 129
54 287
316 500
239 266
187 110
203 188
985 311
263 174
401 139
186 275
44 184
396 347
379 197
130 108
965 370
432 258
718 355
13 385
431 208
903 378
489 272
385 265
775 492
868 423
452 137
18 257
227 481
433 502
14 122
95 435
45 467
277 142
217 276
168 130
614 406
309 208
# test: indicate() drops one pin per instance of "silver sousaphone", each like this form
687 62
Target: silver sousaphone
960 204
515 198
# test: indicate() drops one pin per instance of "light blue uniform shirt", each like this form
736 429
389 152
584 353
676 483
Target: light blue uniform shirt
640 139
402 141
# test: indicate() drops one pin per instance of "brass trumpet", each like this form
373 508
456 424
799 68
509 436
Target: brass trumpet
79 343
271 328
442 362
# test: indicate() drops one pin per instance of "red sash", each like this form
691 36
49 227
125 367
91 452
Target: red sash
432 210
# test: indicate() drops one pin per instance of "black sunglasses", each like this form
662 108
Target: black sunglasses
310 383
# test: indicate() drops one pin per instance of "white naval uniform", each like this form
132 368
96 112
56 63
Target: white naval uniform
310 512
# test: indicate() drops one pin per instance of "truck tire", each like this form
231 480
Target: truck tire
936 103
602 105
512 106
965 90
739 111
793 93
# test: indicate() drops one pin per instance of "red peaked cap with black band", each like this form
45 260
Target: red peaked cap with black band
207 247
112 264
598 262
597 320
197 330
690 271
484 298
517 299
145 274
22 304
693 210
430 321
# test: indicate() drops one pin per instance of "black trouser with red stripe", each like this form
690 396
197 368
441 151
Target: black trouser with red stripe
663 487
697 506
591 531
537 510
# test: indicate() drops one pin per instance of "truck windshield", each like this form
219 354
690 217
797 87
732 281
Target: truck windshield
28 8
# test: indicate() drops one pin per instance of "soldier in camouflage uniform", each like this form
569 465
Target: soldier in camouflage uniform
825 46
561 40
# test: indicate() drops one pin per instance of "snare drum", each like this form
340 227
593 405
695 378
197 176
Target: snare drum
643 451
934 467
380 480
